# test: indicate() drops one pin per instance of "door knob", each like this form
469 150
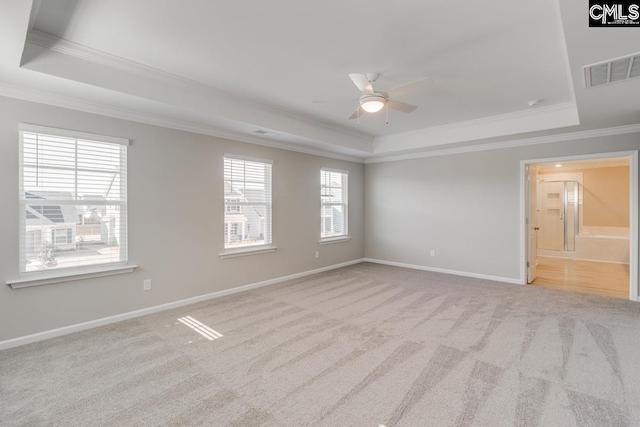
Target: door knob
536 228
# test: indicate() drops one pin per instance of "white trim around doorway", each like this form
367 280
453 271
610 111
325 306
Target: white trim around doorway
633 207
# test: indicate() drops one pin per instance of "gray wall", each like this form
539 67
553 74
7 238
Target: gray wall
175 221
465 206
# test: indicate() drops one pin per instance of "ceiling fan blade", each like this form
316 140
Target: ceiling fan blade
356 114
400 106
363 83
408 88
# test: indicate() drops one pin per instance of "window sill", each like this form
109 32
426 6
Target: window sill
233 253
330 240
47 278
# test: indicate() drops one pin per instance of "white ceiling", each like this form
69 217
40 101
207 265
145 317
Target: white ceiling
229 68
288 53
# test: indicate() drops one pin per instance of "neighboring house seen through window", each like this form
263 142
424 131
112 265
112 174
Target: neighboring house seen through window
73 199
247 200
334 203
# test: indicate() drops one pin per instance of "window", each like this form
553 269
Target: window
334 210
247 201
234 208
73 199
62 236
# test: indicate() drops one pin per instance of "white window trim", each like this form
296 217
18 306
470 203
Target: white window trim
335 170
37 278
247 158
248 250
26 127
334 239
251 249
68 275
341 237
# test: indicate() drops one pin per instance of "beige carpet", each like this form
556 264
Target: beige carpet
361 346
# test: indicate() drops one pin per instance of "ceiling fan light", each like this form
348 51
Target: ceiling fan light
373 104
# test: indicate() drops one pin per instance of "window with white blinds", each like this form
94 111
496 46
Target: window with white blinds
334 201
247 201
73 199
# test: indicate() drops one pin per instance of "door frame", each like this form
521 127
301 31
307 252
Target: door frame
634 291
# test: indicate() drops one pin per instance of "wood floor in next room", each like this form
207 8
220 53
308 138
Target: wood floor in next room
599 278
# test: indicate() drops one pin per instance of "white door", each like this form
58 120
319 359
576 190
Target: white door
532 222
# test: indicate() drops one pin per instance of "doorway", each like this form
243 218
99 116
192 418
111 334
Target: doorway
579 224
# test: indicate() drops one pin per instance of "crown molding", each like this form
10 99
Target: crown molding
570 136
535 119
75 50
513 123
66 47
556 115
42 97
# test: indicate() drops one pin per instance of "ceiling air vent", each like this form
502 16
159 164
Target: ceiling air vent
612 71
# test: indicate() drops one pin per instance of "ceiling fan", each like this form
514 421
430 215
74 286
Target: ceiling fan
372 101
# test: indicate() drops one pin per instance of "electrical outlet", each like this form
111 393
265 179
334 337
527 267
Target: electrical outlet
146 285
433 252
317 254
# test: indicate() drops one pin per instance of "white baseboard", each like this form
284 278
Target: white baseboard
446 271
40 336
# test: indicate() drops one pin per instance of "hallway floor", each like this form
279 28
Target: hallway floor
600 278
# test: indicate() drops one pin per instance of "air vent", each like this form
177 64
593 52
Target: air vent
612 71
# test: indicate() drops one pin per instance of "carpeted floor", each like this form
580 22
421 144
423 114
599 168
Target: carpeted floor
360 346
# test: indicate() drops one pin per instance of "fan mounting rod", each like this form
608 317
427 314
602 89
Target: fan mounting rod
372 77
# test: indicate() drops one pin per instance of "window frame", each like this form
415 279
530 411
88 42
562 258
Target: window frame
249 249
345 205
74 272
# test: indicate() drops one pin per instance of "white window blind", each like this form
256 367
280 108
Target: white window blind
334 200
73 200
247 199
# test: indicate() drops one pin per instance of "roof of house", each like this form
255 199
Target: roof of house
50 213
